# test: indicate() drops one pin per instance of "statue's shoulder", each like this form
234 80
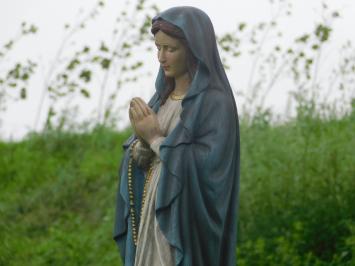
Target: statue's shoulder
214 96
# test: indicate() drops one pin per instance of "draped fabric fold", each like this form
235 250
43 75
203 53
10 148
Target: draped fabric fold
197 194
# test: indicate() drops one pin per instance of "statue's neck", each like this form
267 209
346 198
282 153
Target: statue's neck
182 84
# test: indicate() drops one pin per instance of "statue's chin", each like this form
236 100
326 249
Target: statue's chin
171 74
168 74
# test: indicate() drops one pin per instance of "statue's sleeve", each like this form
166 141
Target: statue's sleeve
142 155
155 145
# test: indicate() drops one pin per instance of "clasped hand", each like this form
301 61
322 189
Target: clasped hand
144 121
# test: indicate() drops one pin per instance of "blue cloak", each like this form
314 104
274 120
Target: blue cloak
197 194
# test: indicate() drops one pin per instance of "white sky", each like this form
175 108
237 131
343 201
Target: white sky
50 16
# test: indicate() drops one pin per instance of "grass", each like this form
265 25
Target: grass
58 189
57 197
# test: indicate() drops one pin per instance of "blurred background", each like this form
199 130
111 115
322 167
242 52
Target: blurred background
68 70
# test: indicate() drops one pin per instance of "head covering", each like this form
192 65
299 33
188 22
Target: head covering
200 35
197 195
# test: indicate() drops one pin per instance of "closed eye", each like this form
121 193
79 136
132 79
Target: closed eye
166 47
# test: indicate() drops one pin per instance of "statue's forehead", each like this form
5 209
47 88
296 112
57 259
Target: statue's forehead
162 38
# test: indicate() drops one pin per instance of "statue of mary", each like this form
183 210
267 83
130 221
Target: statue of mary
179 177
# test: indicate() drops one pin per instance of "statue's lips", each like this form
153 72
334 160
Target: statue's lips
165 67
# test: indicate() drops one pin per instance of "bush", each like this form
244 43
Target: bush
58 189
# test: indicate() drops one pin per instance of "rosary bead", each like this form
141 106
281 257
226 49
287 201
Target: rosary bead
131 194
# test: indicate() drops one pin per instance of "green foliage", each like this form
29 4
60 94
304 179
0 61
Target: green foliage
274 60
77 66
297 186
104 61
14 81
57 195
57 199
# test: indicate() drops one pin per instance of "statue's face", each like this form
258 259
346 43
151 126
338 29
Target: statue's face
171 55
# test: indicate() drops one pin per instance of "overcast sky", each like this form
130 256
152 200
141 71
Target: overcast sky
50 16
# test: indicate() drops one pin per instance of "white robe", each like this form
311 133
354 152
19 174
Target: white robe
152 246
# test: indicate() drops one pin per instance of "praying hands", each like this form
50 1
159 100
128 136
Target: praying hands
144 121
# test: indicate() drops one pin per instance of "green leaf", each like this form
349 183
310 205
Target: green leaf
322 32
105 63
126 45
96 59
85 93
303 38
33 29
226 48
9 45
73 64
137 65
335 14
242 26
103 47
23 93
86 49
85 75
309 61
315 46
25 76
